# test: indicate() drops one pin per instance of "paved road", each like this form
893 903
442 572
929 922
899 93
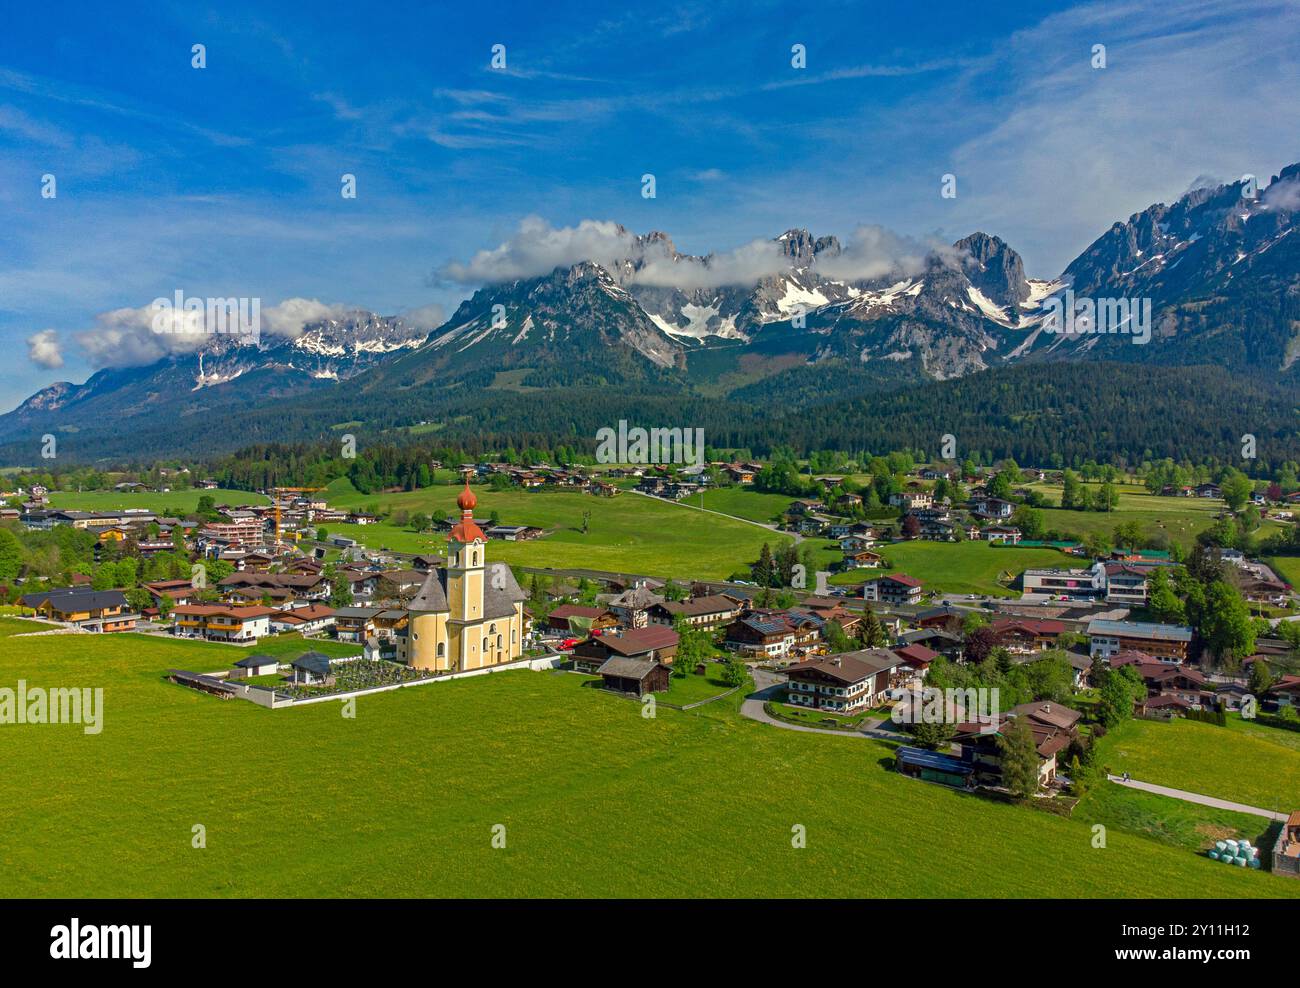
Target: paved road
1193 797
768 684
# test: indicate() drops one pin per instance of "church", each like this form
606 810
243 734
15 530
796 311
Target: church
467 615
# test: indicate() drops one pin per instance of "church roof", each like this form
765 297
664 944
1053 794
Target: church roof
432 595
498 600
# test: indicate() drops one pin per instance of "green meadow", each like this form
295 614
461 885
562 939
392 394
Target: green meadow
591 798
1180 518
628 533
1258 766
957 567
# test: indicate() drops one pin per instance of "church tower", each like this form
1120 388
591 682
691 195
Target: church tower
466 582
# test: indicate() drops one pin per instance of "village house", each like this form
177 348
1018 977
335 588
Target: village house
1285 692
911 500
1027 634
916 658
895 588
82 607
309 620
991 507
1168 641
708 612
862 559
945 643
654 643
632 606
1167 679
760 636
994 533
180 591
844 683
568 617
635 676
218 622
1054 726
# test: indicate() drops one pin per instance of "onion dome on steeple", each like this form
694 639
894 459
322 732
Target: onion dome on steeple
466 531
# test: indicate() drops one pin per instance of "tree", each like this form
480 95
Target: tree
1163 602
1019 758
1226 625
980 644
836 639
911 526
1117 695
936 736
1236 488
1072 493
11 555
1260 677
692 647
763 569
734 672
870 631
1029 521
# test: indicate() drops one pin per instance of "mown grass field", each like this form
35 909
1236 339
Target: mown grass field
1181 518
23 626
956 567
628 533
186 500
402 800
1243 766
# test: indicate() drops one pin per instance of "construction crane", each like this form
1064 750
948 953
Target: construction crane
275 497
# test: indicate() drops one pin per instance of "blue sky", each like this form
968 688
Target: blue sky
225 180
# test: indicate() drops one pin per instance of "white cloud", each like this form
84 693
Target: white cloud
44 349
1283 195
427 317
126 337
290 316
538 248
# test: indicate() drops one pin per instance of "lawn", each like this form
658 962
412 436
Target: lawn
626 534
23 626
1181 518
184 501
284 647
692 688
956 567
1202 758
403 799
1286 567
742 503
1163 818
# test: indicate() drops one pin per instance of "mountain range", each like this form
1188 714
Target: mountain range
817 337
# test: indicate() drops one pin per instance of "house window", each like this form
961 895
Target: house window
485 644
442 649
498 641
473 558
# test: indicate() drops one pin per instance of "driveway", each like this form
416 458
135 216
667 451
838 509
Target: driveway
767 686
1194 797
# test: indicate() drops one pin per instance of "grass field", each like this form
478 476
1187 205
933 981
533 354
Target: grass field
23 626
628 533
1181 518
1234 764
402 800
956 567
186 500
